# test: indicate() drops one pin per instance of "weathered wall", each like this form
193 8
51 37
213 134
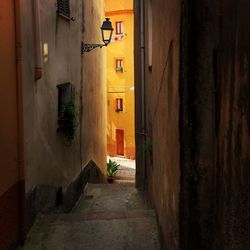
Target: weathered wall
233 162
197 127
54 169
162 120
214 121
49 161
94 119
215 125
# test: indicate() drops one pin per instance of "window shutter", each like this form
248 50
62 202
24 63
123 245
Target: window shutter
63 8
119 27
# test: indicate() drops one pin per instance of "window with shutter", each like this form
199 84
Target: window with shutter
63 8
119 27
119 104
119 65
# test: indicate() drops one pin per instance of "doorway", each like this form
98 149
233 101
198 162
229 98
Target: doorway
120 142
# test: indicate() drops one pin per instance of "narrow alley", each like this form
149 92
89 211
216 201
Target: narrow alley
106 217
125 124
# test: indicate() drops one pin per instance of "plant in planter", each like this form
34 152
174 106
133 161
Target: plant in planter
112 168
119 69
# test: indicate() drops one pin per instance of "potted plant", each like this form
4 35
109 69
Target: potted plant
112 168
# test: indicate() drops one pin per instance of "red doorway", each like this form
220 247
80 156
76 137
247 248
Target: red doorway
120 141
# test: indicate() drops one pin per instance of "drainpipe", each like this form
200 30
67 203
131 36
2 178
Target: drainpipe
37 32
19 79
143 122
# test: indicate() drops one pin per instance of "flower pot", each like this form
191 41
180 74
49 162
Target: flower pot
110 179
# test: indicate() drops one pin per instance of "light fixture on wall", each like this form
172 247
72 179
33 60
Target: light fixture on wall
107 31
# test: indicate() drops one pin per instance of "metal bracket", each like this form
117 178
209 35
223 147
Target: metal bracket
85 47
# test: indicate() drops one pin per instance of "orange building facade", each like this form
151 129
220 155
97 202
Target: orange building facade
120 79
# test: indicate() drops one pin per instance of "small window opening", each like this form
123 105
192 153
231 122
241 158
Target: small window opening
63 8
119 104
65 96
119 27
119 65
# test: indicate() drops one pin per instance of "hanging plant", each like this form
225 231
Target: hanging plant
68 121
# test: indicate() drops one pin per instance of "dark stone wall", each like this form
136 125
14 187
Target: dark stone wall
214 127
233 155
198 124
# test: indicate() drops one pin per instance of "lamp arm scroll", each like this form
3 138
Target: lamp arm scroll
106 27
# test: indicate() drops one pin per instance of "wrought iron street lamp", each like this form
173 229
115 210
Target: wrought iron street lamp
107 32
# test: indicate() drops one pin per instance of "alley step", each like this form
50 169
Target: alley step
116 234
107 217
100 215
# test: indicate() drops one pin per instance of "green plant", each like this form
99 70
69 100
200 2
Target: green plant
68 121
112 168
119 69
147 147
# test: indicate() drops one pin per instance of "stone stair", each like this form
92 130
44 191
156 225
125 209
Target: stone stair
108 216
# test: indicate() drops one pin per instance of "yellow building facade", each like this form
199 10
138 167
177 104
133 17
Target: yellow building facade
120 79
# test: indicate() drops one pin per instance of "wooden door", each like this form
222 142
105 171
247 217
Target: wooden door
120 141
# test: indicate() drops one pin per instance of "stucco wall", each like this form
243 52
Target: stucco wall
119 84
162 120
94 119
9 143
54 169
48 159
10 187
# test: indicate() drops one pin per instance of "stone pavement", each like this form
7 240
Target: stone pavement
107 217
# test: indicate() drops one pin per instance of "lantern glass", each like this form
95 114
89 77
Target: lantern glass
107 31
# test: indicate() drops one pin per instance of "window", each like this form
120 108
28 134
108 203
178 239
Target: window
119 104
119 65
65 96
119 27
63 8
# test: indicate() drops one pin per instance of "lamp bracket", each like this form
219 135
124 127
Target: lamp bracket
86 47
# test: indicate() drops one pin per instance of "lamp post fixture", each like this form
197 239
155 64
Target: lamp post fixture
107 31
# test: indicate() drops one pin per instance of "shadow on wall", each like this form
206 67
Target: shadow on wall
47 199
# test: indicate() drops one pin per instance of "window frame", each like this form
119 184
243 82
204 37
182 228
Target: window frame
119 25
119 104
119 65
68 97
